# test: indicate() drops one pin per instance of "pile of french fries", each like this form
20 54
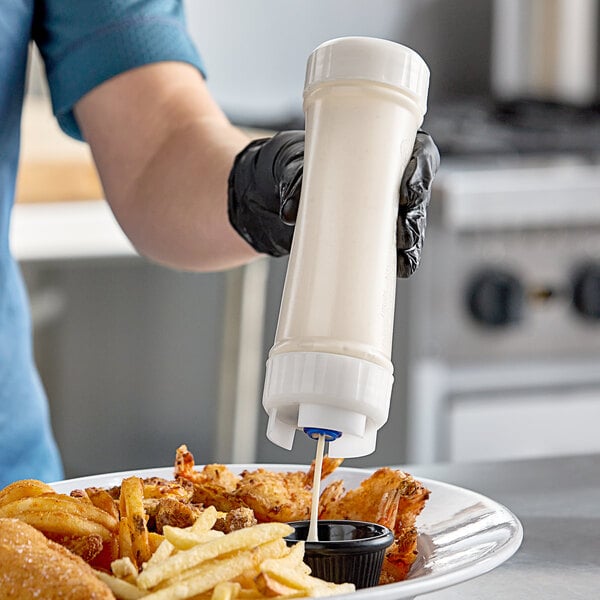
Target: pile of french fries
92 521
197 561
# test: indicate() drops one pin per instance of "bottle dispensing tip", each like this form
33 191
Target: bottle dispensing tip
315 432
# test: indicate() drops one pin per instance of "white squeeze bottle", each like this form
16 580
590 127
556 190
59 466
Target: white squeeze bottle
329 370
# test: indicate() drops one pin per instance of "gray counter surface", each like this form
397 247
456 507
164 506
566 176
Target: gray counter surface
558 502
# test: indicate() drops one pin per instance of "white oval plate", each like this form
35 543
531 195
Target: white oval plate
462 534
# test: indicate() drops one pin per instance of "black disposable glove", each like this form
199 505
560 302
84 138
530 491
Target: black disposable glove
264 192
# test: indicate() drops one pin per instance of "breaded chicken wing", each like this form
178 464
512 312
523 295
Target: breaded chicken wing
218 475
273 496
391 498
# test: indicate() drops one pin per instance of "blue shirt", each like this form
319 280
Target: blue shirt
83 43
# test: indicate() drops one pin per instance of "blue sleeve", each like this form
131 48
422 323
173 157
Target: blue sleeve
85 42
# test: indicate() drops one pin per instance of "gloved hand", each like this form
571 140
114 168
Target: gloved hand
264 192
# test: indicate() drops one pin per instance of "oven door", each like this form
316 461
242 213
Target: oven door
506 411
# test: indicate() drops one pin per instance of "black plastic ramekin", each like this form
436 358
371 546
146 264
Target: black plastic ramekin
347 551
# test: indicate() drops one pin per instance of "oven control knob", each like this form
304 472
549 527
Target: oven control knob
495 298
586 290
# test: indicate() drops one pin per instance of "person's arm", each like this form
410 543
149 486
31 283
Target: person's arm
164 151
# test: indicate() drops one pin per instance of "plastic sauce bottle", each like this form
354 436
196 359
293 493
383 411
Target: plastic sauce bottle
329 370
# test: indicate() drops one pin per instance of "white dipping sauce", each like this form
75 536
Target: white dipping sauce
313 535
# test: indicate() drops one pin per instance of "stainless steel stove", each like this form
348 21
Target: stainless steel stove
503 352
504 328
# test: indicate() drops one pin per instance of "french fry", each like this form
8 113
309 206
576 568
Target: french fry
184 539
212 572
103 500
289 575
132 508
61 522
162 553
293 559
247 577
123 568
206 577
206 520
271 587
250 594
60 503
297 579
91 511
120 588
226 590
26 488
154 541
236 540
125 548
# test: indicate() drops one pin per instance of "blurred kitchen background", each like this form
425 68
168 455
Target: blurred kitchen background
497 337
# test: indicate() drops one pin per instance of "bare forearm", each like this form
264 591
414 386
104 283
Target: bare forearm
164 160
176 209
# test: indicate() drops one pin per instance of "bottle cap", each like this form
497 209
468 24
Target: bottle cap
345 394
369 59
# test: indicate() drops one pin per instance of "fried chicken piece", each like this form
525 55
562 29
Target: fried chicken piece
81 494
175 513
215 474
184 463
214 485
274 497
235 519
399 557
281 496
214 495
330 495
327 468
102 499
151 508
157 487
87 547
389 497
32 566
220 475
372 500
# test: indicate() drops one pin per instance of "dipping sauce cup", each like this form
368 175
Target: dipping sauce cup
347 551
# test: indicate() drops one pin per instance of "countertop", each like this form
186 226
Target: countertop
558 502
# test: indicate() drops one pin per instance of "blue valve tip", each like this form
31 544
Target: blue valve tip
315 432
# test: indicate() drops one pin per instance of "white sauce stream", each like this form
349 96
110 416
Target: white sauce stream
316 491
